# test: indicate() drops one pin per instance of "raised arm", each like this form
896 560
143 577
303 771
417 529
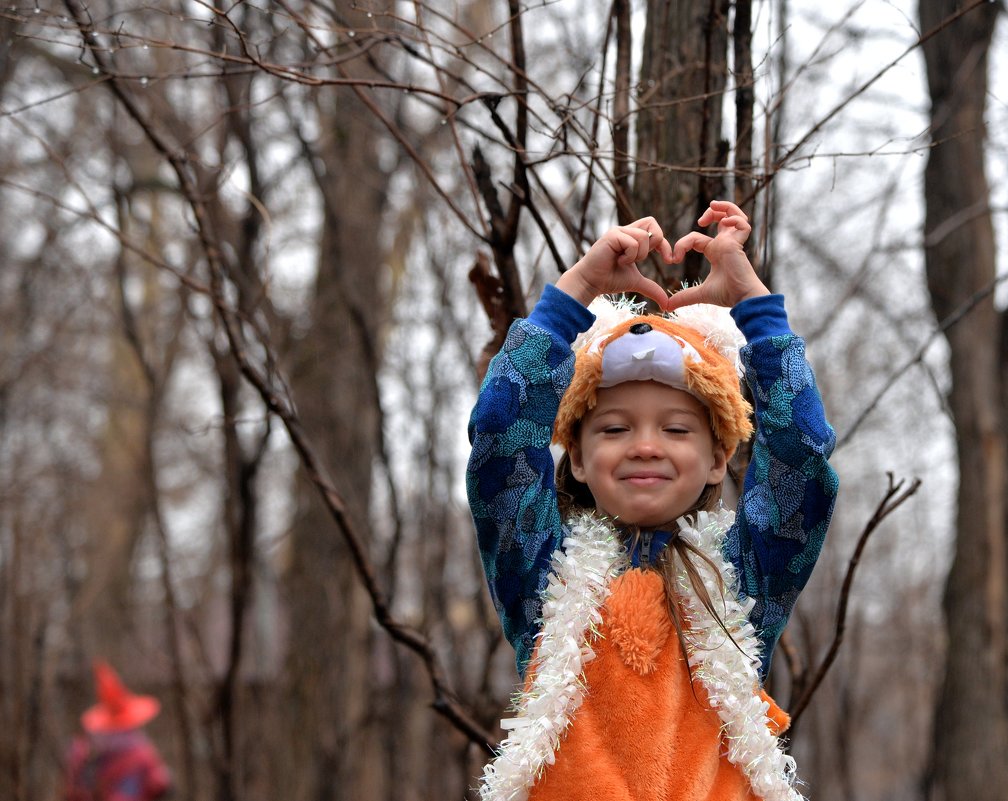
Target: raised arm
789 489
510 483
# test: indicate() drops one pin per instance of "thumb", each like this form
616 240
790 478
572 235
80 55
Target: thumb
685 297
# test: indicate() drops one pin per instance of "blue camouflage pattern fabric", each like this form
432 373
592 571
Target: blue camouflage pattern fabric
788 492
789 489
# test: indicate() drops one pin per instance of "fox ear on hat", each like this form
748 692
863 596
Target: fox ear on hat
609 312
716 326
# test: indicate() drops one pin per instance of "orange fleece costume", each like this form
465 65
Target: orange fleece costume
642 731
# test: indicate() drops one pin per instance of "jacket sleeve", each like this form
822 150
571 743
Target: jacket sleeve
789 489
510 476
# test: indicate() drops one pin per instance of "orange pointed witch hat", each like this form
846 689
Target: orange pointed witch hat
117 709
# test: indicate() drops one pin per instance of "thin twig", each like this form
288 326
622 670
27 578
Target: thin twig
964 309
864 87
894 497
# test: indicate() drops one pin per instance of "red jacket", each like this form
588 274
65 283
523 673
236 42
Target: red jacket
120 766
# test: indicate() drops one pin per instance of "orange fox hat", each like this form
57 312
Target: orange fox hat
694 349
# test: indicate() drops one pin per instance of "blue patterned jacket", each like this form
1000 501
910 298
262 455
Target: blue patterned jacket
787 496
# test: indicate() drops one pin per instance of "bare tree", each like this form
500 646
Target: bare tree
331 658
240 340
971 725
681 150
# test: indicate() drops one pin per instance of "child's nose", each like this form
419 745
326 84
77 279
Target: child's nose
645 446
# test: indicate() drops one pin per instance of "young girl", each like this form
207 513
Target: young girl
642 613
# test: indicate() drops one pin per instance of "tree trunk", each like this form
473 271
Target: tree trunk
971 736
330 656
680 146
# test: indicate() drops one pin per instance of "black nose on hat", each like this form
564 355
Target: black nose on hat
640 328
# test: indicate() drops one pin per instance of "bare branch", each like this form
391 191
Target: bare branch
864 87
893 498
959 314
621 110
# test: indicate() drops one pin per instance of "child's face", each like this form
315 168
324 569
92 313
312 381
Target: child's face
646 452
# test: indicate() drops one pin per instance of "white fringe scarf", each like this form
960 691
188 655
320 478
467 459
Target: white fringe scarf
592 555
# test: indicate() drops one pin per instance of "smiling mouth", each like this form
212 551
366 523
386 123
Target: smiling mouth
646 479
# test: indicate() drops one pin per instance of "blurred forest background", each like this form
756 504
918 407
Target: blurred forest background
253 259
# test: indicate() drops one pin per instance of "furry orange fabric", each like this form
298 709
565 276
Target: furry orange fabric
714 380
780 720
644 730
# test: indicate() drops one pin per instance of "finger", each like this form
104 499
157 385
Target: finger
727 208
739 223
664 248
694 240
647 227
655 234
684 297
624 246
652 289
738 220
646 224
636 245
709 216
656 238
